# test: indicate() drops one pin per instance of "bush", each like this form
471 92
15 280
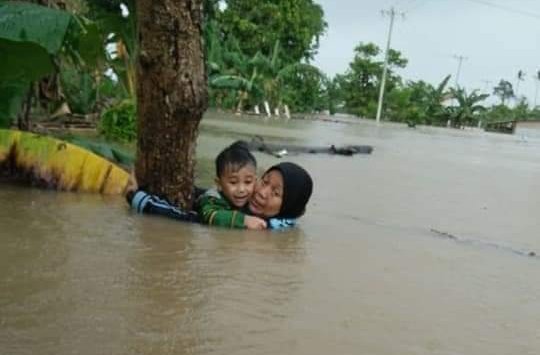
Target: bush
79 89
119 122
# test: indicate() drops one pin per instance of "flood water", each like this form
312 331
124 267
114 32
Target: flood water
420 248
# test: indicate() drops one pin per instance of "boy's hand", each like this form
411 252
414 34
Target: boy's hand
252 222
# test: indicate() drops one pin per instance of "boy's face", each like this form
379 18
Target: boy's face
237 184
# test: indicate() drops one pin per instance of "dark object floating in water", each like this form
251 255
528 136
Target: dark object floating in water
279 150
481 243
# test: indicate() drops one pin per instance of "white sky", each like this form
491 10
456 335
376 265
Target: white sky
498 37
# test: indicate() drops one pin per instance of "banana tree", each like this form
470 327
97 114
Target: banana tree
231 71
274 74
57 164
468 107
246 87
116 20
30 49
434 111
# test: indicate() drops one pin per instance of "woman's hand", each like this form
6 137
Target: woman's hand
252 222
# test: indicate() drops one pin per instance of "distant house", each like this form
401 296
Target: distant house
507 127
527 129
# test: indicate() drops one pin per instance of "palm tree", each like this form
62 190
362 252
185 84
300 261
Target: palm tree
520 77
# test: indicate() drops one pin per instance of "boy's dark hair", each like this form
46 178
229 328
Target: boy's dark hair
236 156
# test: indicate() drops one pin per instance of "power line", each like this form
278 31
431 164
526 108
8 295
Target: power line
506 8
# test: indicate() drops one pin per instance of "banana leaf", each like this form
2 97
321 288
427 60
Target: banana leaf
52 163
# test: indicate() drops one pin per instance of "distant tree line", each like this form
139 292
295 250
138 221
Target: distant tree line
80 58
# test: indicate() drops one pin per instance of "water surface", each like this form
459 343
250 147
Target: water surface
365 273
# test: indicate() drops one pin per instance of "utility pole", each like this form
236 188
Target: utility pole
392 12
460 59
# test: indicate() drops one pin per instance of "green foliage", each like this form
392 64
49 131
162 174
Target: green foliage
304 88
418 102
245 69
23 61
503 90
84 43
119 31
258 24
11 98
403 106
29 36
502 113
32 37
109 91
521 111
467 108
25 22
79 89
119 122
498 113
359 86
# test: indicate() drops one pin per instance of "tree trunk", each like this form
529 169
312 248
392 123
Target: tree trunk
267 108
243 96
287 111
171 96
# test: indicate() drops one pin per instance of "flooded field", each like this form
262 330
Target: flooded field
426 246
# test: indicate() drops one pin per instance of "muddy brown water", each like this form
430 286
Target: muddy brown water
365 273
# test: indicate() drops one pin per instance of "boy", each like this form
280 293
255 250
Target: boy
236 174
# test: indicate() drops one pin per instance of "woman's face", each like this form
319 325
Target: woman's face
268 195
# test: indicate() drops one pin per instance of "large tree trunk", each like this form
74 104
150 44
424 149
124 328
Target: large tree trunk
171 94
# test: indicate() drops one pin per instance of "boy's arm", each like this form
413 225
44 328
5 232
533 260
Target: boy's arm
216 211
143 202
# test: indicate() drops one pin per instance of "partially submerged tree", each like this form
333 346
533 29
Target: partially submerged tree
172 96
418 102
468 107
360 84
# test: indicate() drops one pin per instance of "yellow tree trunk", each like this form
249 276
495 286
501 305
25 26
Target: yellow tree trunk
48 162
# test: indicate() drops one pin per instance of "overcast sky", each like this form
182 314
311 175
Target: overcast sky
498 37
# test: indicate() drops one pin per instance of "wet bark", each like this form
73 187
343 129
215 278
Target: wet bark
171 96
